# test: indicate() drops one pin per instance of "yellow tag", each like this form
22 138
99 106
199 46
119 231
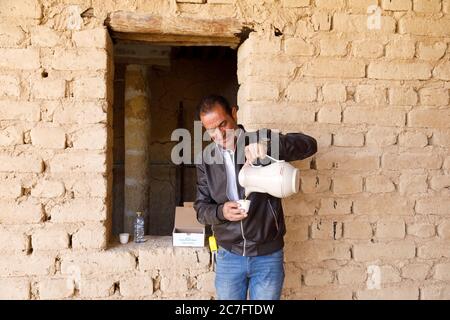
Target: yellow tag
212 243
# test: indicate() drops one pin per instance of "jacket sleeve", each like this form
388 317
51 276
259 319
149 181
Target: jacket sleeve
294 146
208 211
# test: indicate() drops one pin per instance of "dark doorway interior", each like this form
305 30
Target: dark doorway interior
175 88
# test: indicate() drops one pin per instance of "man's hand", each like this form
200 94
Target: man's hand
233 212
255 151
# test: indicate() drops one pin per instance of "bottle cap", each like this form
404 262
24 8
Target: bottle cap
139 213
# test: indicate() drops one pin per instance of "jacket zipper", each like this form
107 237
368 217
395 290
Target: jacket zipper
242 224
243 237
273 213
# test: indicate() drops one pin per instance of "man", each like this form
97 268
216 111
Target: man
250 254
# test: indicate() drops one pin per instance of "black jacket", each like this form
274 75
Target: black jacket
262 231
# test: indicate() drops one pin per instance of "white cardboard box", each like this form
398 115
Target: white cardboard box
187 231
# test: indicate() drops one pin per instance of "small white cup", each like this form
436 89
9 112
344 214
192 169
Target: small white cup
124 237
244 204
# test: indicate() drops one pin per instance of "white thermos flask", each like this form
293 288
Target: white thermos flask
280 179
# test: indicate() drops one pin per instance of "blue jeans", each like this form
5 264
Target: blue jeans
261 276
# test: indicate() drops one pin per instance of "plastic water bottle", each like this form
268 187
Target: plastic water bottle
139 228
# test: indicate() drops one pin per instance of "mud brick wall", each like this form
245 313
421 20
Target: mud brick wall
372 219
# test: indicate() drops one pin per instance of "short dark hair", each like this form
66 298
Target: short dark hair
208 102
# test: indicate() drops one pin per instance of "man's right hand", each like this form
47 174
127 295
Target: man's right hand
233 212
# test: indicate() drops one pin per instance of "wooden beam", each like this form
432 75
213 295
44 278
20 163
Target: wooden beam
145 27
123 21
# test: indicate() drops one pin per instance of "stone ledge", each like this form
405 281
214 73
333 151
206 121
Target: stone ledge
159 253
152 243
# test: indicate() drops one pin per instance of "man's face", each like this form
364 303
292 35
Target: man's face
220 125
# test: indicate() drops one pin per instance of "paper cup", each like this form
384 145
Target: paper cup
244 204
124 237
